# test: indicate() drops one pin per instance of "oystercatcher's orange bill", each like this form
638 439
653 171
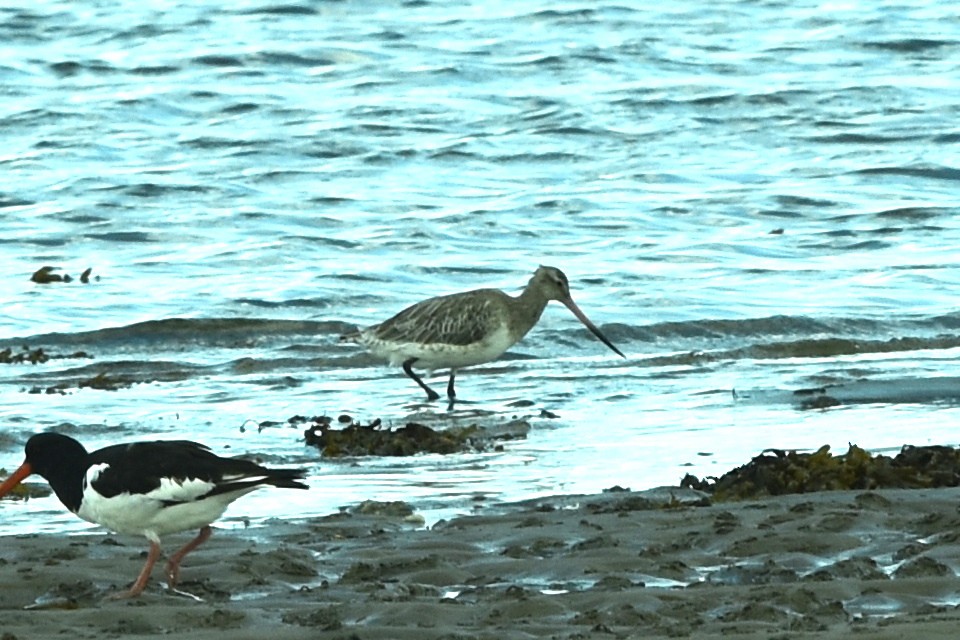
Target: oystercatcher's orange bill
15 478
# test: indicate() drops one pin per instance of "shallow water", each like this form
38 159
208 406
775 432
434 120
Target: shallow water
749 200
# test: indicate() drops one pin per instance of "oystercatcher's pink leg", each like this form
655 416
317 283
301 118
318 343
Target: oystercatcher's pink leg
141 583
173 564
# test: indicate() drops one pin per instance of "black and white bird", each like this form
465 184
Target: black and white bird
147 488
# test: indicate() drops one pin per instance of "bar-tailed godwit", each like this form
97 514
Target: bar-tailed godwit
464 329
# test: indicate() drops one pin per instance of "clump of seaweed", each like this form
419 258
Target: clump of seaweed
102 381
352 438
34 356
777 472
48 274
107 381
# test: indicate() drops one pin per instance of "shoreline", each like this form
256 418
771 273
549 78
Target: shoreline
659 563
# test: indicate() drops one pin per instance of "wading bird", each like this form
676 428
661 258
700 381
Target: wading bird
146 488
464 329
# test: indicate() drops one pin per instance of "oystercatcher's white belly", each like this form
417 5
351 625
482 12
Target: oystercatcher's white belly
172 507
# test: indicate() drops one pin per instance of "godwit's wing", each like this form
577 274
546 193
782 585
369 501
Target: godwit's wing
460 319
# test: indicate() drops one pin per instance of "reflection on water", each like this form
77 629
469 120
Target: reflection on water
752 199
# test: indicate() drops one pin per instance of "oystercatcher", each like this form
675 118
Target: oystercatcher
148 488
464 329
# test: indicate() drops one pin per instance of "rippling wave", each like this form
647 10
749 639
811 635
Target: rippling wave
750 198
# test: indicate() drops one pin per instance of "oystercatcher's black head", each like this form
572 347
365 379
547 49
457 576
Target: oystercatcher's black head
59 459
50 453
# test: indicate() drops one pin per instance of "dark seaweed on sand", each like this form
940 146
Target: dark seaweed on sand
776 472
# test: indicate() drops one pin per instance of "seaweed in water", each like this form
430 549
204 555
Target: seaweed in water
34 356
47 275
356 439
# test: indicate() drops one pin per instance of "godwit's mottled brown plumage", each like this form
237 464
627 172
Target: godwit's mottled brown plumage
463 329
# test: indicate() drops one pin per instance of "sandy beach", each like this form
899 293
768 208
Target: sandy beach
663 563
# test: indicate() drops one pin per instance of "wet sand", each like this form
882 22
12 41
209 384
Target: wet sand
658 564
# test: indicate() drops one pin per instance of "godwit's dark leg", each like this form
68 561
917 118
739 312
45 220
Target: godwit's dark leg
450 392
407 369
173 564
141 582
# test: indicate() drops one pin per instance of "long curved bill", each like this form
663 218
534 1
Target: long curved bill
589 325
15 478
